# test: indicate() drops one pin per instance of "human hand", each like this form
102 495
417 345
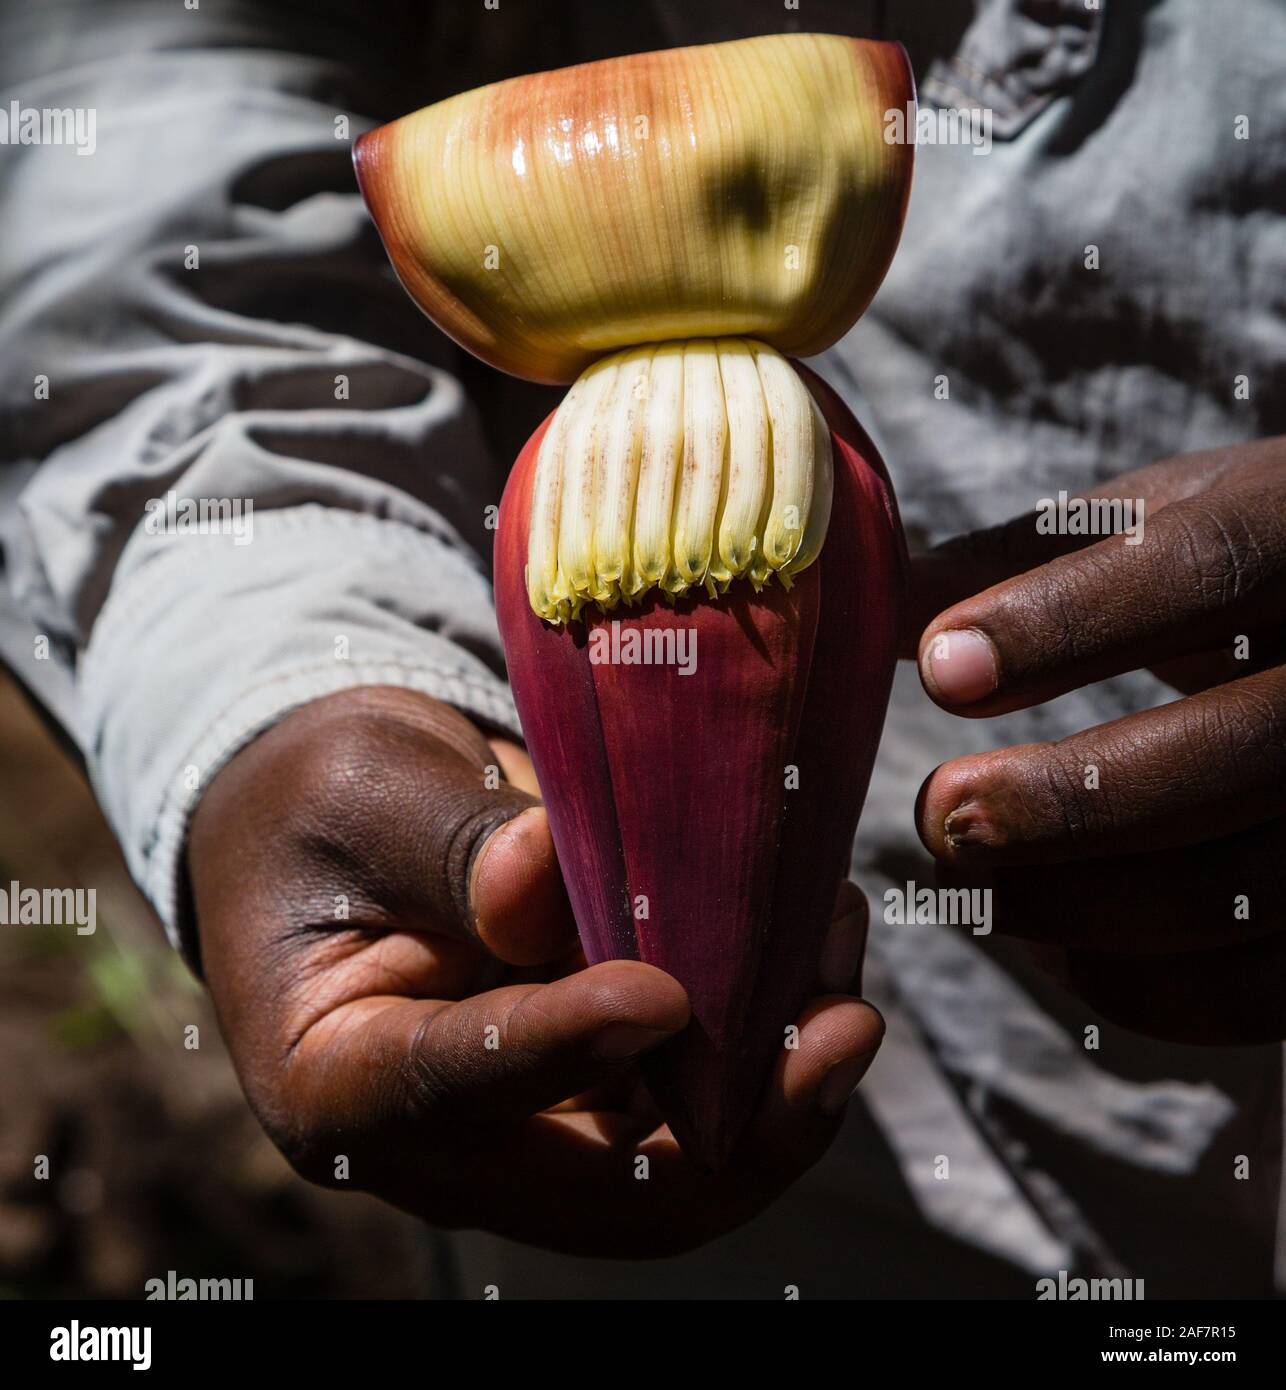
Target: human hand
366 1035
1144 858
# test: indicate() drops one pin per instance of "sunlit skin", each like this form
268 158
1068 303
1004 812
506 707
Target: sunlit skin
367 1037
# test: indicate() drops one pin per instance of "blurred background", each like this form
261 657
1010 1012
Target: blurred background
92 1035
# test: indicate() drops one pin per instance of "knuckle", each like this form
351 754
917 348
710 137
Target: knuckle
1223 558
1050 618
432 1086
341 758
1075 814
455 1074
1239 730
352 783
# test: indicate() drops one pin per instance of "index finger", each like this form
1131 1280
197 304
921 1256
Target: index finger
1206 569
968 564
426 1074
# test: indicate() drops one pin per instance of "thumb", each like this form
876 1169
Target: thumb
483 856
411 800
520 909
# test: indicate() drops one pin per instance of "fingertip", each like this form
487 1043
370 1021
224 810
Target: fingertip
839 1084
620 1008
838 1037
933 803
839 1020
837 1034
634 992
959 666
948 812
520 908
844 944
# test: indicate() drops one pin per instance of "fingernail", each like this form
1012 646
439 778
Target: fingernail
841 953
841 1081
967 827
505 823
619 1041
960 666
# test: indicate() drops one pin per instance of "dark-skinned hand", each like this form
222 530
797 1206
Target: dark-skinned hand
373 907
1153 885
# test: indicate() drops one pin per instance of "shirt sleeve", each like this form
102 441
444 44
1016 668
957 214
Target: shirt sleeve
240 471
